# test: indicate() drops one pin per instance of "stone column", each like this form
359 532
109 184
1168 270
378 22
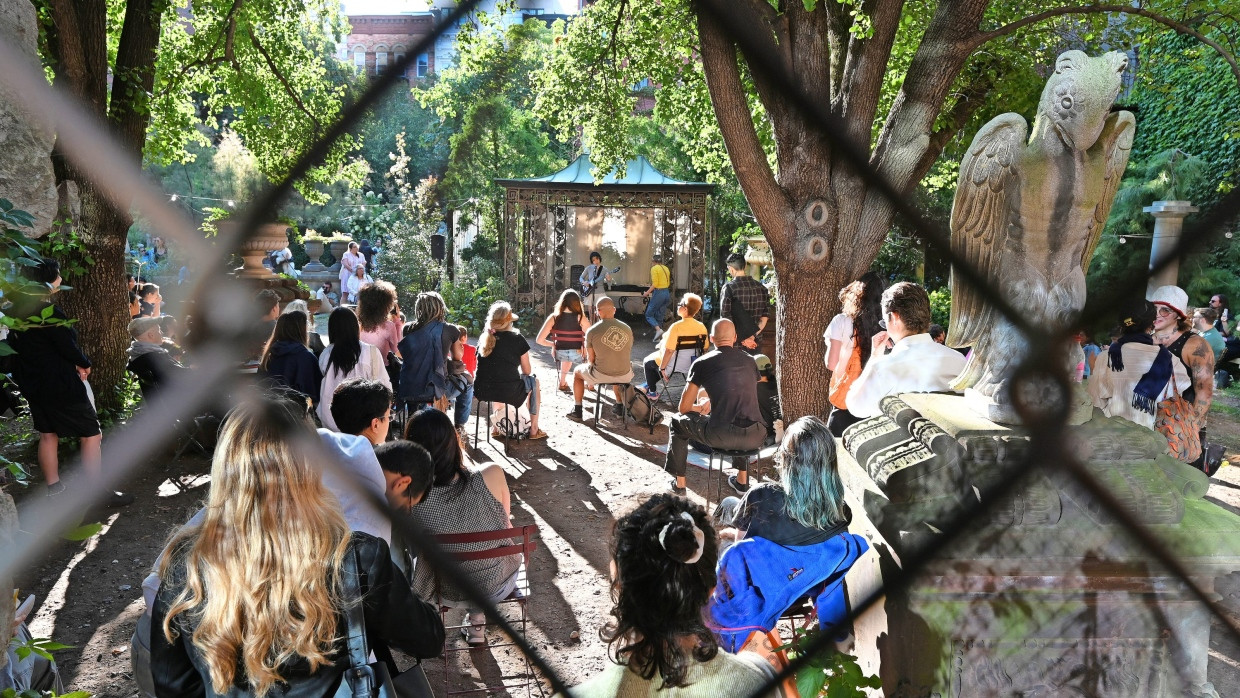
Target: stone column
1168 222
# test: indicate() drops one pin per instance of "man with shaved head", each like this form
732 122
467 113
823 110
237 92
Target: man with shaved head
731 420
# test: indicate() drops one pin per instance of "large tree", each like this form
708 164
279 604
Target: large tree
153 70
901 78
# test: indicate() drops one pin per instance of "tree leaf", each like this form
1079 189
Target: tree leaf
83 532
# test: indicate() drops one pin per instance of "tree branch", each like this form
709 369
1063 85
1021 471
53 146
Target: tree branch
727 95
288 88
1121 9
227 34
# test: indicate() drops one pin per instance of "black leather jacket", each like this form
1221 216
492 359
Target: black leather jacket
394 615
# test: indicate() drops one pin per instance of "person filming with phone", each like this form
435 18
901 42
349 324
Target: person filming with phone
915 364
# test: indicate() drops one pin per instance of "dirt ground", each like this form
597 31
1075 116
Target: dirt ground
571 486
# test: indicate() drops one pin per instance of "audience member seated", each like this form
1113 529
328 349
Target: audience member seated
916 363
1135 375
266 310
171 330
663 558
357 281
462 500
564 331
376 312
504 372
346 357
315 342
768 396
362 410
239 575
1203 324
429 345
150 301
848 343
608 343
135 305
800 523
148 359
327 298
730 379
287 361
664 355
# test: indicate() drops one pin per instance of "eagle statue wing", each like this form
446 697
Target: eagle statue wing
1115 145
979 222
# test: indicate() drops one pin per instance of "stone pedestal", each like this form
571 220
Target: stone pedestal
1168 223
266 237
338 247
314 250
1046 594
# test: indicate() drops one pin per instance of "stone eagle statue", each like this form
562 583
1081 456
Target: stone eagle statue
1028 214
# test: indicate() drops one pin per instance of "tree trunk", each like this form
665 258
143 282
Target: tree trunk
98 299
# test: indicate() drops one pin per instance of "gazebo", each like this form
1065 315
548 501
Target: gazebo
552 223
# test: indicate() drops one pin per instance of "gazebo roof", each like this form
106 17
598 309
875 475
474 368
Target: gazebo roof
639 175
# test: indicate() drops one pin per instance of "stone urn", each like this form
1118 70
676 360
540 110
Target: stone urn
314 250
266 237
339 246
758 254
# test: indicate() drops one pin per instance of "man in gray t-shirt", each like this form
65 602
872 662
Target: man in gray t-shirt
609 342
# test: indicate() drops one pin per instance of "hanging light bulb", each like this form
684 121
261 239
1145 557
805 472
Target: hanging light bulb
1123 240
174 198
231 203
1227 234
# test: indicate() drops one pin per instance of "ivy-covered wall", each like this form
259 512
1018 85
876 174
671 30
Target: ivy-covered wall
1188 98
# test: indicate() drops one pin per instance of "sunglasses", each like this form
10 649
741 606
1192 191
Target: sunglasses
1164 311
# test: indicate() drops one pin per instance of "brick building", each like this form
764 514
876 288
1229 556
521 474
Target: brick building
377 41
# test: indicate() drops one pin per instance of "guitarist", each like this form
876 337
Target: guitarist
591 279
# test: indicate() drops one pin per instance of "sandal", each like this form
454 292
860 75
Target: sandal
565 389
540 434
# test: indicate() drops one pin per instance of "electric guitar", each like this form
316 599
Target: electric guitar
601 276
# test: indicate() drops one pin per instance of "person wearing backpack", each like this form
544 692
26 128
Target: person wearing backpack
730 378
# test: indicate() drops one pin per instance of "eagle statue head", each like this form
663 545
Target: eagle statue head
1079 95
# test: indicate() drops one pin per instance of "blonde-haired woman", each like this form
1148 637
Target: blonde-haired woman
251 601
504 373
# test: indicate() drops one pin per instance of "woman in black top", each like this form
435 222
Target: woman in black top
51 371
247 607
504 373
565 333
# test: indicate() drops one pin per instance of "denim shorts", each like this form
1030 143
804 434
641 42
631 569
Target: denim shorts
570 355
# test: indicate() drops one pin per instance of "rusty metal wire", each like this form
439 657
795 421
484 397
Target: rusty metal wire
87 144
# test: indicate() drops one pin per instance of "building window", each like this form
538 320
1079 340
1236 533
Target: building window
423 66
342 52
380 61
532 11
359 59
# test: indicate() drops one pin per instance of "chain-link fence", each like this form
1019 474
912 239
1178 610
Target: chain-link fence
986 588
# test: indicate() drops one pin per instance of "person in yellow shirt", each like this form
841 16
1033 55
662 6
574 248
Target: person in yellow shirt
660 294
663 357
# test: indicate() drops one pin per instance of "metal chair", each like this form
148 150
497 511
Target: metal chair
688 349
518 597
721 454
509 423
598 402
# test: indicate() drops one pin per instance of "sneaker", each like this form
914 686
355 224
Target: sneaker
658 332
740 489
575 416
679 491
617 409
474 631
652 394
116 500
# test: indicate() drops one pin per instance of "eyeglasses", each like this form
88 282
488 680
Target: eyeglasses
1164 311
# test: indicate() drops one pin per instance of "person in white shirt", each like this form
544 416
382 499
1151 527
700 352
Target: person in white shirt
915 362
357 282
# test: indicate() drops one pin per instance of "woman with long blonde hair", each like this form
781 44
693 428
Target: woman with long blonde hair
504 372
251 597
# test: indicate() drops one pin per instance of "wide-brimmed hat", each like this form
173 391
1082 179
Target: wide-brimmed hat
1173 297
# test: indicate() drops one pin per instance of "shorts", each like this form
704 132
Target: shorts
76 420
570 355
593 377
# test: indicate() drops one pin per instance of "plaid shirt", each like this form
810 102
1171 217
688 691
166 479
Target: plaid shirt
750 293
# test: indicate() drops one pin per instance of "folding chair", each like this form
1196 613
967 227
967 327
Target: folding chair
598 401
688 349
518 597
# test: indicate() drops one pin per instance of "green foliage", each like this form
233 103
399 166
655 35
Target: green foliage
830 673
30 693
16 252
64 244
40 646
469 297
406 261
941 306
1188 100
261 67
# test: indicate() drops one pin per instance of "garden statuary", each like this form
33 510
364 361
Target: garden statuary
1027 216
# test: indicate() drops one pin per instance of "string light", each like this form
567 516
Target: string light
231 203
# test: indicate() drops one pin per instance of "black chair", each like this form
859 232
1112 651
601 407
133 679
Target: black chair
624 405
721 454
688 349
510 424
